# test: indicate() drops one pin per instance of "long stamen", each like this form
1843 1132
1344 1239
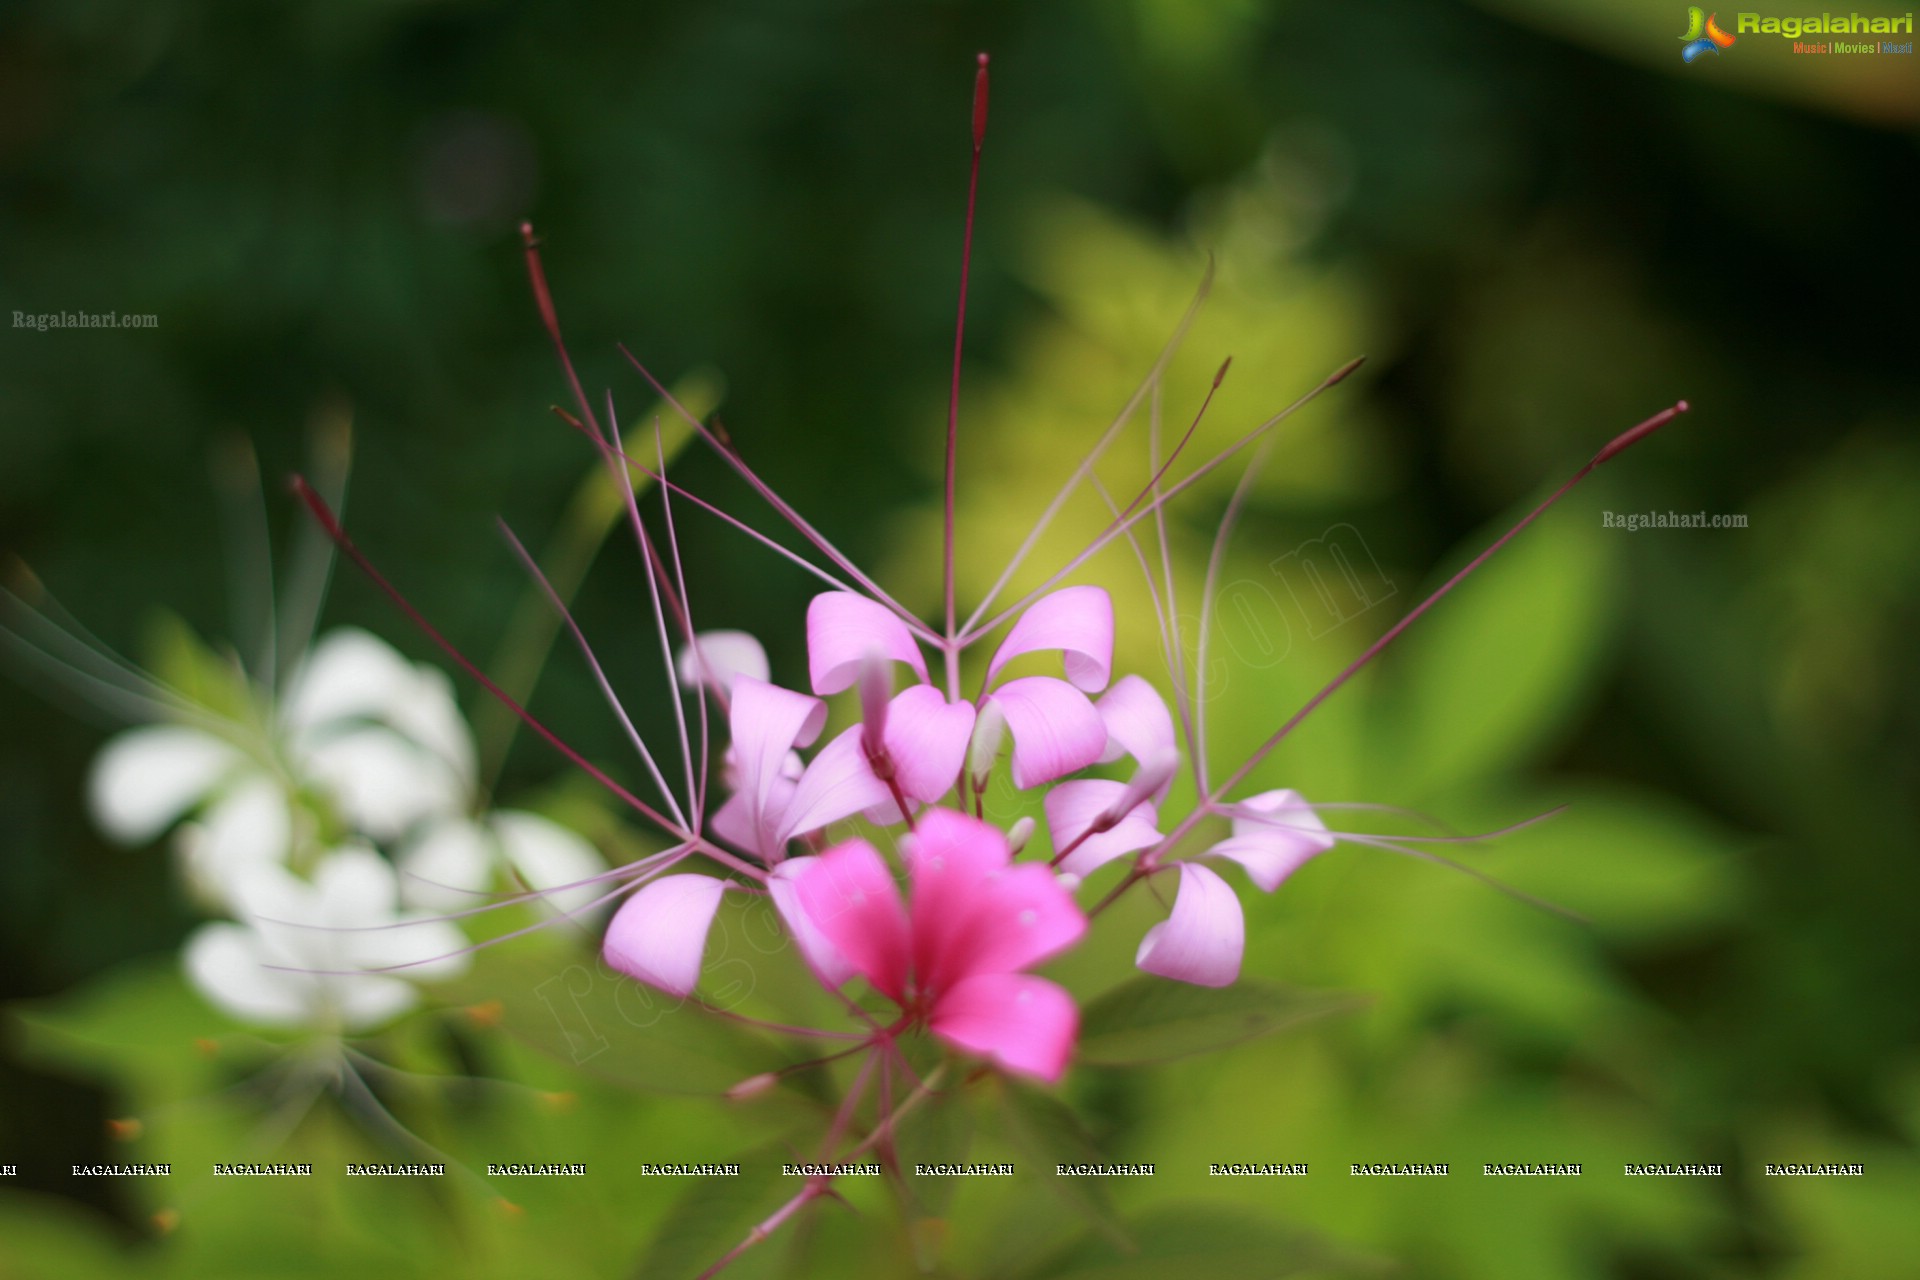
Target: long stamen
1621 442
960 323
780 505
550 318
325 516
599 674
1176 644
1134 513
680 576
1148 383
1215 559
658 589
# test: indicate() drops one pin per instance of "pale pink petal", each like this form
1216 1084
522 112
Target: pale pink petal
722 655
768 722
1024 1024
1202 940
843 628
821 956
851 899
734 821
927 739
1078 621
1138 722
660 934
1055 729
838 783
1071 810
1274 835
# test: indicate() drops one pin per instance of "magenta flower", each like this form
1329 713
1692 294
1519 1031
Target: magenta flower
953 960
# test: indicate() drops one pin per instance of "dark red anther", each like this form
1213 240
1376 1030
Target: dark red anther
980 103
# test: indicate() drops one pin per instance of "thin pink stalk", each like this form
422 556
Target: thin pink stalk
1211 803
1186 482
550 318
325 516
680 576
656 581
779 504
1152 379
1176 645
817 1187
1621 442
1215 559
1146 572
599 674
960 322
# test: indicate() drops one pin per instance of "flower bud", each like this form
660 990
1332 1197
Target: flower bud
752 1087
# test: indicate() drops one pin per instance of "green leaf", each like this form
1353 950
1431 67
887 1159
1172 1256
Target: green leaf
1497 666
1046 1132
186 662
715 1214
1200 1240
1156 1020
938 1132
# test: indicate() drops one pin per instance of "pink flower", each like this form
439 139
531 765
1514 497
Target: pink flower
1274 834
1055 727
952 960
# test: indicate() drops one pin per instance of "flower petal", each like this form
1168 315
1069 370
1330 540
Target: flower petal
722 656
1274 834
1025 1024
365 1002
951 857
1138 722
1078 621
426 713
1055 729
767 723
1071 810
784 885
660 934
446 867
838 783
248 825
348 674
383 783
927 738
145 779
1201 942
851 899
1020 917
227 964
843 628
547 856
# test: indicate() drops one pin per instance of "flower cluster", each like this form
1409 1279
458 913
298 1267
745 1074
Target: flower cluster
912 762
279 810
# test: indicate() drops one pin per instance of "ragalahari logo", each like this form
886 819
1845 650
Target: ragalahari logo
1703 34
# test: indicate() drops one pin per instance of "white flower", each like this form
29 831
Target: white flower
452 863
381 737
295 960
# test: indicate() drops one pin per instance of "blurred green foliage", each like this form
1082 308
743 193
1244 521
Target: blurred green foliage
1537 223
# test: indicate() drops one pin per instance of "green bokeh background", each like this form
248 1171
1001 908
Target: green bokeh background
1537 222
